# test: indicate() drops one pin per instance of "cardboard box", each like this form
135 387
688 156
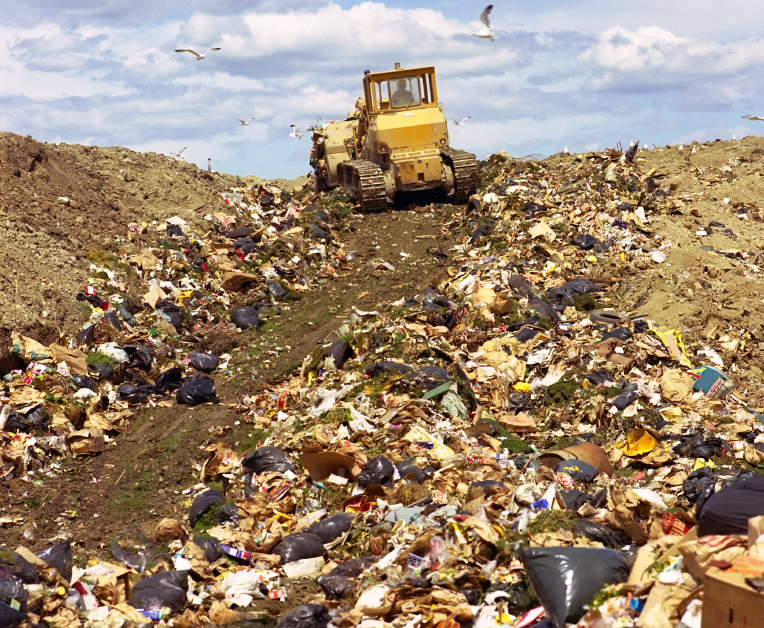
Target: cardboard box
728 602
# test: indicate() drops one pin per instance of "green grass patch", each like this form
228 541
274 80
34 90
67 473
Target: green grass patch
551 521
101 256
96 357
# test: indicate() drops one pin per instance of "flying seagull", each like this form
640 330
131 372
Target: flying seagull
754 118
486 32
246 122
295 131
198 56
179 154
461 122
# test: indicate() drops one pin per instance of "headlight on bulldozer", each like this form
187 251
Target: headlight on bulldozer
383 148
442 140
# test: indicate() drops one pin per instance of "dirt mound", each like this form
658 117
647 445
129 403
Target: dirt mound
61 206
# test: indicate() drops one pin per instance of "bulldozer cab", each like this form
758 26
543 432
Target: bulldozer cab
400 90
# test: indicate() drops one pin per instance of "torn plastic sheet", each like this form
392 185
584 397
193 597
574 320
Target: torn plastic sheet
324 399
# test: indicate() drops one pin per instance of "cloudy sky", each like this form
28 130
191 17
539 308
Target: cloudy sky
584 74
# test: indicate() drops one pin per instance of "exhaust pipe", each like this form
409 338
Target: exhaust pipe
397 66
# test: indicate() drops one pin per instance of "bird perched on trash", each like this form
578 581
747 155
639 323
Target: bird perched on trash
681 148
631 144
461 122
295 131
179 154
198 56
246 122
486 32
209 164
754 118
734 137
565 151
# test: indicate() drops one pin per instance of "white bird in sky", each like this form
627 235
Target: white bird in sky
198 56
295 131
486 32
754 118
460 122
179 154
246 122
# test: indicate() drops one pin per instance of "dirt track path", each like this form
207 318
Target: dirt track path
140 478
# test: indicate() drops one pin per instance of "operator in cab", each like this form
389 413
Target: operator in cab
402 97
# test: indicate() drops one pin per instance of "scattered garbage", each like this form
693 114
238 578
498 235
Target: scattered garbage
525 440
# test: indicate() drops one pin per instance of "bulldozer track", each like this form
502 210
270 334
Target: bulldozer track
465 172
369 184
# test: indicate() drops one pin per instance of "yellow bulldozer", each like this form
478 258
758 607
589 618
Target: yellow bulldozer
396 140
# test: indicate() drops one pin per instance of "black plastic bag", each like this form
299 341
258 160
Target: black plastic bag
728 511
139 357
305 616
575 499
82 381
522 285
566 292
169 380
378 470
18 566
86 336
134 394
332 527
585 241
578 470
298 546
60 557
113 320
595 531
166 589
103 371
202 503
620 333
625 399
227 513
10 617
171 310
543 308
372 370
34 419
12 588
205 362
211 547
277 290
698 483
268 458
135 549
600 378
245 245
339 352
565 579
196 391
339 582
245 317
406 467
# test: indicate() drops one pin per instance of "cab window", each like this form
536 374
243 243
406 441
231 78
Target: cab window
404 92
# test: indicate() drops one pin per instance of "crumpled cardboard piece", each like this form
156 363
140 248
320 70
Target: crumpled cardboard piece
234 281
320 465
86 441
697 555
662 606
497 302
542 230
28 349
676 386
145 259
220 459
74 358
168 529
588 452
153 296
636 517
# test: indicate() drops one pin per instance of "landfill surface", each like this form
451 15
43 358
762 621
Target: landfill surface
234 400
